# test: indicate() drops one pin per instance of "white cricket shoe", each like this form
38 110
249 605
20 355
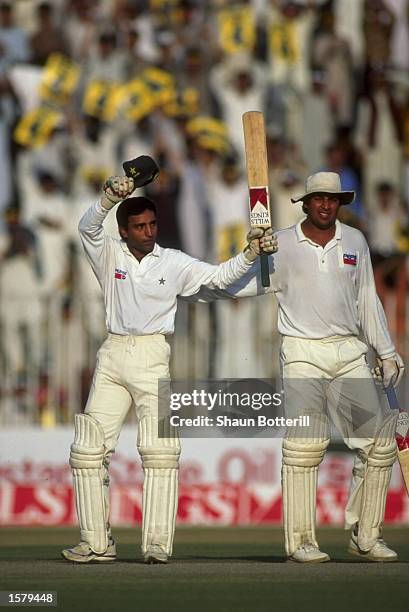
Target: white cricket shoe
379 552
309 553
155 554
82 553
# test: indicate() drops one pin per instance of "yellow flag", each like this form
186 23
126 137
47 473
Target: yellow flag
36 126
133 100
97 174
160 83
284 43
166 11
237 29
59 79
210 133
100 100
230 241
185 103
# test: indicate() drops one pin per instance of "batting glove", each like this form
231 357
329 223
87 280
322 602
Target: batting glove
259 239
116 188
389 371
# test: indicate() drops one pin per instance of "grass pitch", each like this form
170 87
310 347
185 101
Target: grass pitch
220 569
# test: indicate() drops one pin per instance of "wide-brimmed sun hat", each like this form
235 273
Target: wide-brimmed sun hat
325 182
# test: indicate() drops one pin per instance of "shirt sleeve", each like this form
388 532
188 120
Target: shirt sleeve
247 285
94 239
197 274
371 314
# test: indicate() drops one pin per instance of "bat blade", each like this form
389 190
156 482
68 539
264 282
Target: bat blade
402 435
257 179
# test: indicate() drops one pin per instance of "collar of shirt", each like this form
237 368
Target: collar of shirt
302 237
157 250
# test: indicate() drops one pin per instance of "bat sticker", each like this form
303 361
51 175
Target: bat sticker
259 209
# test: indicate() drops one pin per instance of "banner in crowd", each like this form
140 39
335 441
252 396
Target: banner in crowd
222 482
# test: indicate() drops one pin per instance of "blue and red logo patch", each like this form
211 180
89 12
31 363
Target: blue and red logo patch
350 259
120 274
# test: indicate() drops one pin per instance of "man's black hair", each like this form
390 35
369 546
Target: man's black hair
133 206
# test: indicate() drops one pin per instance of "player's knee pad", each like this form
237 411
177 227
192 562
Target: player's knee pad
86 460
304 453
160 457
87 450
383 456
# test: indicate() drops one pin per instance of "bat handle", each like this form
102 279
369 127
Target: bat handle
265 272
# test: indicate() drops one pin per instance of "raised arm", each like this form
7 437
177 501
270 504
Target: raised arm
198 274
90 227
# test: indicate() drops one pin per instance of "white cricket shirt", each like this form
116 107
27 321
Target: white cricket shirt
323 291
141 297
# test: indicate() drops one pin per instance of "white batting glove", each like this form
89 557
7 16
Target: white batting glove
259 239
116 188
389 371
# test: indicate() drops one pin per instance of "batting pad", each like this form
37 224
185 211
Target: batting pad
86 460
160 459
376 483
299 480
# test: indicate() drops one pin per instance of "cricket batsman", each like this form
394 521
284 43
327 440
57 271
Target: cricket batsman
141 282
323 280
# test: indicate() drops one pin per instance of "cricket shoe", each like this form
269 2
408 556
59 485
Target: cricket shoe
155 554
379 552
82 553
309 553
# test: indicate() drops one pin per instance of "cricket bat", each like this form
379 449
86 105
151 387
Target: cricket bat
402 434
257 179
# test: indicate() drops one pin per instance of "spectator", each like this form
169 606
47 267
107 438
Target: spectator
20 304
331 54
385 224
106 62
318 125
377 27
378 135
238 84
13 40
45 210
80 27
47 38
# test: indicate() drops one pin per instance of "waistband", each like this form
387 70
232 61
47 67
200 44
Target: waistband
128 339
328 339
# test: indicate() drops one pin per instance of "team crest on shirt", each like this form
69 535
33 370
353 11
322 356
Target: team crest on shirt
350 259
120 274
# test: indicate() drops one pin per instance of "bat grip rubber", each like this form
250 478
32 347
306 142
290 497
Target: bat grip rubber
265 272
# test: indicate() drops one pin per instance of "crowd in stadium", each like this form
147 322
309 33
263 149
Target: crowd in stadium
85 85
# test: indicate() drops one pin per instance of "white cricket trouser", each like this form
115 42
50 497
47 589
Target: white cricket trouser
338 366
127 372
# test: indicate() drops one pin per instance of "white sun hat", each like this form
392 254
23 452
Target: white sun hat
325 182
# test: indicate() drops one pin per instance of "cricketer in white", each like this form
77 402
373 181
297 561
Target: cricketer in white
141 282
323 280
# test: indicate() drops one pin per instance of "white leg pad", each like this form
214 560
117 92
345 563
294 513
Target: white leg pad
160 488
301 459
86 460
375 487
